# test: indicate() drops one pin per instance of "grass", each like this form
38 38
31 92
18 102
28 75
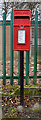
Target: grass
15 90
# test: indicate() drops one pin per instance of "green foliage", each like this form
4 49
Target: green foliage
36 110
11 113
15 90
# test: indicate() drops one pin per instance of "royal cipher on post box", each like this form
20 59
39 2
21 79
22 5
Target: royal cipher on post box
21 29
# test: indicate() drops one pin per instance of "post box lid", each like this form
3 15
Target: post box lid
22 12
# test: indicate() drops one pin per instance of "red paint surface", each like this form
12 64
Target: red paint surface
21 17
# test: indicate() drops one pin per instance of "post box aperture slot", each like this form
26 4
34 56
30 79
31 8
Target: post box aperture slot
16 25
21 36
21 17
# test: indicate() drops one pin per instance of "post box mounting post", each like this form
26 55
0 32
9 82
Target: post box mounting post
21 77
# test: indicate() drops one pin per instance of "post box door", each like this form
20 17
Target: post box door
20 40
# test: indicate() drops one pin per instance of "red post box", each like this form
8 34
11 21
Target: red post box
21 29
